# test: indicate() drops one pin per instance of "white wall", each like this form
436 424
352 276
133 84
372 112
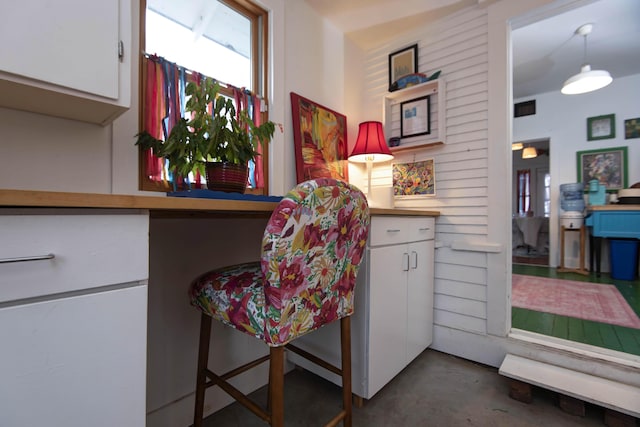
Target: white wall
456 45
563 120
314 51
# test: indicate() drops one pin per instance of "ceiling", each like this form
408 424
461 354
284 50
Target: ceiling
545 53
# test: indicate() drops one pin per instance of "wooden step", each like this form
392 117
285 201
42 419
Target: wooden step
609 394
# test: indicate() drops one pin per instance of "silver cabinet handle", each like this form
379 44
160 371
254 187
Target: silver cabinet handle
414 257
26 258
393 230
405 262
424 229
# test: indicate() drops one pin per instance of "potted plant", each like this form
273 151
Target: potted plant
218 143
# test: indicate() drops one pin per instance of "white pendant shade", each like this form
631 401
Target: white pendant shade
586 81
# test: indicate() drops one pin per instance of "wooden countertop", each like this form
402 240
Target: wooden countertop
158 205
615 207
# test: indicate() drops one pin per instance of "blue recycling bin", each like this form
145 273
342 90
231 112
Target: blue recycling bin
624 258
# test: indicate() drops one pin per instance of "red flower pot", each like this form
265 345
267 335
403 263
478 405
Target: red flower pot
227 177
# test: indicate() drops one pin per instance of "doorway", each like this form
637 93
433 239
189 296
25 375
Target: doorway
531 202
602 333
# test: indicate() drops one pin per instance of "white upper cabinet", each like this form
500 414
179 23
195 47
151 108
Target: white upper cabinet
66 58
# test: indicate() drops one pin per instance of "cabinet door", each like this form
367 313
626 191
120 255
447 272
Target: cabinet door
67 58
75 361
70 43
387 311
420 298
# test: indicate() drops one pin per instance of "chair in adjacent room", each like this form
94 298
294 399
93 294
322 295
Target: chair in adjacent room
311 252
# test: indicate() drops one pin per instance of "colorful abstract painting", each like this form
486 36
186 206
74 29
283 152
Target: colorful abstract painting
414 179
608 166
320 138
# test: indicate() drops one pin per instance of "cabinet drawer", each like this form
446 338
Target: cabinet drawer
89 251
389 230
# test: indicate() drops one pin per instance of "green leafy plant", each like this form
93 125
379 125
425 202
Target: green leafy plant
221 136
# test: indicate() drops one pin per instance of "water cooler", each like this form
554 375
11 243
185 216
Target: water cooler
572 203
572 219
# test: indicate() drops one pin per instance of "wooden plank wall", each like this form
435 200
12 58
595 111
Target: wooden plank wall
456 45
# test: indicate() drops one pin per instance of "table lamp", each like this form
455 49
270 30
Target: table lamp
370 147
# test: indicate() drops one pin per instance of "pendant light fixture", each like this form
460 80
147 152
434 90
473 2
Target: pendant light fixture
529 153
587 80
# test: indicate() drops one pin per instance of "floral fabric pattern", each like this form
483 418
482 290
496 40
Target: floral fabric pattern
312 248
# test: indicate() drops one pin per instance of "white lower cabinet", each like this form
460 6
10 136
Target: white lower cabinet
75 361
393 319
72 354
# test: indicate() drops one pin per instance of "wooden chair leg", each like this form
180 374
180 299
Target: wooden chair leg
201 378
345 342
276 386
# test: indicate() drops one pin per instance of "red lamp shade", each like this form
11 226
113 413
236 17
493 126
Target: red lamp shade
371 146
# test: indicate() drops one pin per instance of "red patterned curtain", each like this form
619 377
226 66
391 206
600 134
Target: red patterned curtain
153 102
164 104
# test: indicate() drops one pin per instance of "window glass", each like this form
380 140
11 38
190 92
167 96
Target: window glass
208 37
547 194
220 39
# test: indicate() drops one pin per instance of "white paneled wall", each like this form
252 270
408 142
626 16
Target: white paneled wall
456 45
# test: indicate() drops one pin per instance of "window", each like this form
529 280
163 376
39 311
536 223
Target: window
524 191
221 39
547 194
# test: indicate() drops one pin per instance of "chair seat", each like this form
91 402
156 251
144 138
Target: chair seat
233 295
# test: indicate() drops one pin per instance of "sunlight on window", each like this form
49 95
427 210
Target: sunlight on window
547 194
176 43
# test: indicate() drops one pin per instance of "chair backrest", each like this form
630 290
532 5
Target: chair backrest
311 252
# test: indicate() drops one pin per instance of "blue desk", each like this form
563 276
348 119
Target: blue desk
610 221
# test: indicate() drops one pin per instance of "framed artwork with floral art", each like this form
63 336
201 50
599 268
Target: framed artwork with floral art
414 179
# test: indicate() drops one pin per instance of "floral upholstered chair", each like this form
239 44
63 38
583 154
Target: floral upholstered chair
311 252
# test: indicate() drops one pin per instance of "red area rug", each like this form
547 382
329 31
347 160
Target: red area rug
582 300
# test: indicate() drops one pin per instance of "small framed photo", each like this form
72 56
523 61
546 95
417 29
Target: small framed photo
403 62
415 117
632 128
601 127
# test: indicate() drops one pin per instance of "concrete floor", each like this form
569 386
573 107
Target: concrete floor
436 389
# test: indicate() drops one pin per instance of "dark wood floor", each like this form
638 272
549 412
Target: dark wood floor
602 335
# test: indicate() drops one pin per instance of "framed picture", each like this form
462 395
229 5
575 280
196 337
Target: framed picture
402 63
601 127
414 179
320 139
609 166
632 128
415 117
